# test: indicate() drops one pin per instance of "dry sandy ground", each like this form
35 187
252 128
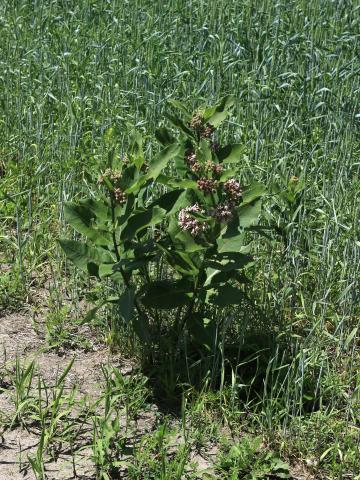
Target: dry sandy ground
19 338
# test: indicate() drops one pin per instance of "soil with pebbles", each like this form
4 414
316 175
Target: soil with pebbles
19 339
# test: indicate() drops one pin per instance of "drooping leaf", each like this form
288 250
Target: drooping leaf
225 295
106 270
130 264
177 122
161 160
176 182
164 294
214 277
249 213
136 150
91 314
230 153
126 304
231 244
217 114
228 173
173 200
141 327
86 257
202 330
228 261
163 136
100 208
253 192
139 221
185 240
182 261
181 107
82 219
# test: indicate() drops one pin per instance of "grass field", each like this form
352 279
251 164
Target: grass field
68 72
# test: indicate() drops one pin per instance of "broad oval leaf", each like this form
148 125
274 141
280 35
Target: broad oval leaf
217 114
82 219
230 153
249 214
164 294
86 257
224 296
228 261
139 221
252 192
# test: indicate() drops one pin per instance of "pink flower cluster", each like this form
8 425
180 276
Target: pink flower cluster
192 162
207 185
119 195
190 157
113 175
223 212
213 167
233 189
207 132
189 223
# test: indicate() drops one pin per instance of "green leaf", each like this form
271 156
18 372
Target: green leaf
231 244
130 264
202 330
106 270
142 220
350 338
100 208
181 107
227 261
185 240
180 260
126 304
253 192
214 277
163 136
81 218
249 214
172 200
177 122
165 294
91 314
176 182
85 257
230 153
217 114
228 173
136 150
225 295
161 160
158 164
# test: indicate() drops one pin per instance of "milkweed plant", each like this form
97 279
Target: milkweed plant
171 232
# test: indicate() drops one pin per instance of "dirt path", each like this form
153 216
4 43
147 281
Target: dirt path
18 339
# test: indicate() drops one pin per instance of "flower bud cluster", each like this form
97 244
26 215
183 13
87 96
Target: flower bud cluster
207 185
196 121
207 131
223 212
189 223
190 157
119 195
215 147
233 189
213 167
113 175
